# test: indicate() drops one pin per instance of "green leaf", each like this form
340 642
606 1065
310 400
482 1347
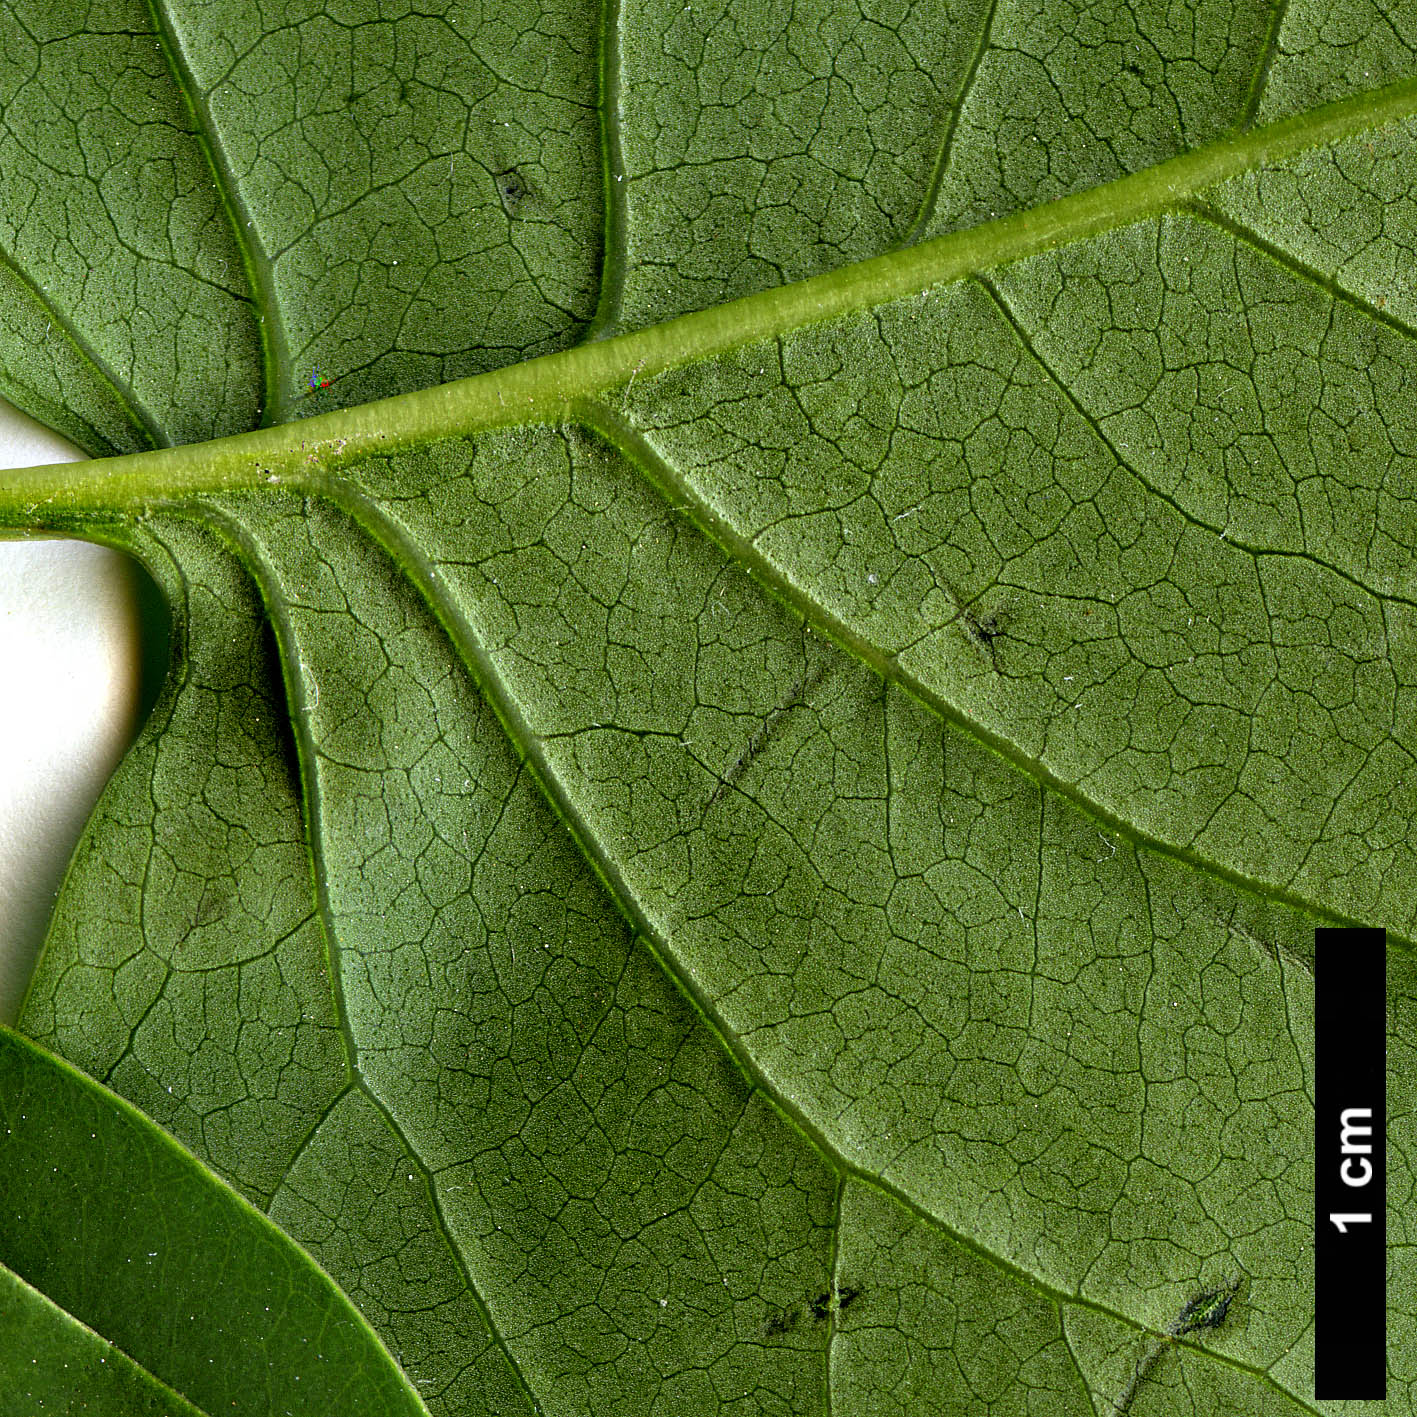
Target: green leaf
758 851
57 1363
131 1275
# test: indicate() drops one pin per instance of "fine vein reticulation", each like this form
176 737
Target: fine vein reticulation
758 858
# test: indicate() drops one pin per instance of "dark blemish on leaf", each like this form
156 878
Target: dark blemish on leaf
819 1309
808 680
981 631
513 189
214 905
1207 1310
833 1302
1272 951
782 1323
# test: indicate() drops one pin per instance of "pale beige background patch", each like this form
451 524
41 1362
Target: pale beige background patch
69 673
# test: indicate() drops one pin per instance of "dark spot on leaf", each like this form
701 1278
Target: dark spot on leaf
214 905
831 1302
809 679
981 631
783 1322
1207 1310
513 189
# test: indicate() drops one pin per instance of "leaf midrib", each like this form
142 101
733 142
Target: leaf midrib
563 386
544 390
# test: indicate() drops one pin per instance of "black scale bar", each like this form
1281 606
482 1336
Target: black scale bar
1350 1164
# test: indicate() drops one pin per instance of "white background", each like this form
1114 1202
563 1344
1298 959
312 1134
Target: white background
69 677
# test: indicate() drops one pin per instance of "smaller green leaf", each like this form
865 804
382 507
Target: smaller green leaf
127 1234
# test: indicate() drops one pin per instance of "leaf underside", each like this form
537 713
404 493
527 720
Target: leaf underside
766 861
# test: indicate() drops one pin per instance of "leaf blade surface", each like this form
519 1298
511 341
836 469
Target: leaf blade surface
754 766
